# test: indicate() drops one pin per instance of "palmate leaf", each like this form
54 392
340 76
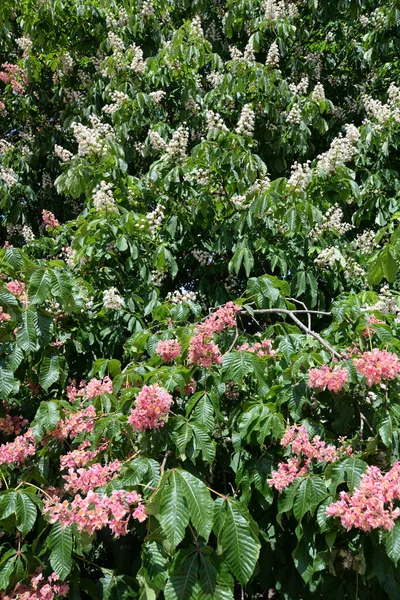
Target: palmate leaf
60 543
174 513
239 542
26 513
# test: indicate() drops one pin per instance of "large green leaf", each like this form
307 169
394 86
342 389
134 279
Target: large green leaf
174 513
50 370
60 543
39 286
182 580
199 503
392 543
27 334
311 492
239 542
26 513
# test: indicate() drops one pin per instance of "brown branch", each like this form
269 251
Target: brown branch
305 307
290 313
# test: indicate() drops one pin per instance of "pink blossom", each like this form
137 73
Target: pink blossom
4 316
377 365
39 588
202 350
168 349
372 504
49 219
2 106
84 480
305 451
262 349
11 425
73 392
190 388
96 387
80 456
332 378
76 423
151 408
16 287
16 452
371 320
95 512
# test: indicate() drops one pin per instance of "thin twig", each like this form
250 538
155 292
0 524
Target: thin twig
164 462
304 306
234 342
290 313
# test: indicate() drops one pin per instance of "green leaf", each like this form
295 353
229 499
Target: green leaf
174 513
181 582
60 543
50 370
7 568
39 286
239 542
26 513
392 543
27 334
199 503
7 381
311 492
386 430
155 561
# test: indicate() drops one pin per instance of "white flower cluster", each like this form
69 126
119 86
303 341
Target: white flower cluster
138 65
5 146
158 96
192 106
235 53
157 277
24 43
195 27
214 78
246 121
74 96
116 44
364 21
69 256
27 234
9 176
103 198
155 218
248 53
203 257
366 242
112 300
66 63
300 88
327 258
118 99
177 147
384 112
156 141
147 10
332 221
215 121
294 115
273 55
260 185
92 139
353 270
273 9
231 283
342 150
378 19
61 153
387 303
300 176
318 93
122 21
179 297
202 176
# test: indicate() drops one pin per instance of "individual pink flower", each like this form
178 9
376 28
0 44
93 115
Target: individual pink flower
331 378
4 317
377 365
16 287
371 506
49 219
151 408
96 387
168 349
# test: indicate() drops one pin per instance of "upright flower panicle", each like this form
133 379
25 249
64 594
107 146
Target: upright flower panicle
151 408
168 349
377 365
331 378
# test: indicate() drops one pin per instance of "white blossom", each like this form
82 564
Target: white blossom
195 27
112 300
156 140
27 234
300 176
61 153
158 96
9 176
177 147
215 121
273 55
103 198
246 121
181 296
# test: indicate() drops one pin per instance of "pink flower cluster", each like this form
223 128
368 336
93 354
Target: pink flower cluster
4 316
96 387
372 504
39 588
202 350
331 378
371 320
49 219
151 408
76 423
94 512
11 425
16 287
305 451
377 365
95 476
16 452
79 457
9 75
168 349
262 349
73 392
